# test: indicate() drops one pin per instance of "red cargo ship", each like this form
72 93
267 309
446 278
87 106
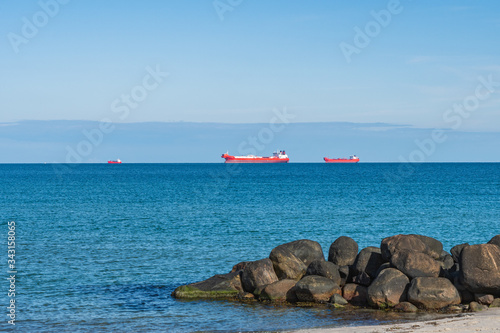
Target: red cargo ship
278 157
351 159
115 162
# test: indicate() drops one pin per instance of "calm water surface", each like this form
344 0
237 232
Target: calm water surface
101 247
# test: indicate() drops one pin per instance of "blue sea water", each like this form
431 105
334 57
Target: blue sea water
101 247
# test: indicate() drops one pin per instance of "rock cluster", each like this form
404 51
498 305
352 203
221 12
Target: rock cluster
407 273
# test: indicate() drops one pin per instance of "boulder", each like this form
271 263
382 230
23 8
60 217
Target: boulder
240 266
345 275
326 269
495 303
485 299
280 291
355 294
306 250
369 261
476 307
435 247
446 261
218 286
362 278
286 264
258 273
393 244
383 266
315 288
415 264
388 289
495 240
456 251
343 251
406 307
337 299
432 293
480 267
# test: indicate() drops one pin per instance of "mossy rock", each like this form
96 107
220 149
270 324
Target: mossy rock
216 287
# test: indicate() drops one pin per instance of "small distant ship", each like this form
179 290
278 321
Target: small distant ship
115 162
278 157
351 159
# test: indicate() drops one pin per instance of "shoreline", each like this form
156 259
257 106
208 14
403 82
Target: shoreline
484 321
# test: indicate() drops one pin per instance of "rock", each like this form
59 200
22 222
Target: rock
326 269
388 289
286 265
393 244
337 299
314 288
345 275
258 273
369 261
435 247
495 303
384 266
415 264
240 266
406 307
476 307
280 291
446 262
485 299
495 240
218 286
362 279
246 296
480 267
355 294
306 250
432 293
456 251
343 251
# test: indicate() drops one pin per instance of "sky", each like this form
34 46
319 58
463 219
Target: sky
234 61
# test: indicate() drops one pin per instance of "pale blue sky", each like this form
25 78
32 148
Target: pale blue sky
262 55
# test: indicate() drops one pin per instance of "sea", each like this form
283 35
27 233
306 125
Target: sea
101 247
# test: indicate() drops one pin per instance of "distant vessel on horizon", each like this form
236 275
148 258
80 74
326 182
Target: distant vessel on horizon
115 162
278 157
351 159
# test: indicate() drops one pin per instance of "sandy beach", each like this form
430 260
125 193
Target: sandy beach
486 321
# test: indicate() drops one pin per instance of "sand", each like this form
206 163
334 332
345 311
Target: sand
485 321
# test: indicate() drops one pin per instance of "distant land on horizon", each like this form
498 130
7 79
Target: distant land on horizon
60 141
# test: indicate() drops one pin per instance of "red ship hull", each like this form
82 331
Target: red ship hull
232 159
341 160
114 162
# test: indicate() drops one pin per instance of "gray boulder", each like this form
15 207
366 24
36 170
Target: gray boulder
314 288
406 307
306 250
286 264
432 293
218 286
393 244
280 291
480 267
495 240
389 288
369 261
415 264
456 251
343 251
326 269
257 274
435 247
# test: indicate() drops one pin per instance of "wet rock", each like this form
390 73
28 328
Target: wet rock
435 247
390 245
314 288
355 294
476 307
258 273
306 250
218 286
406 307
286 265
337 299
485 299
369 261
343 251
362 278
432 293
456 251
280 291
415 264
495 240
389 288
480 266
326 269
